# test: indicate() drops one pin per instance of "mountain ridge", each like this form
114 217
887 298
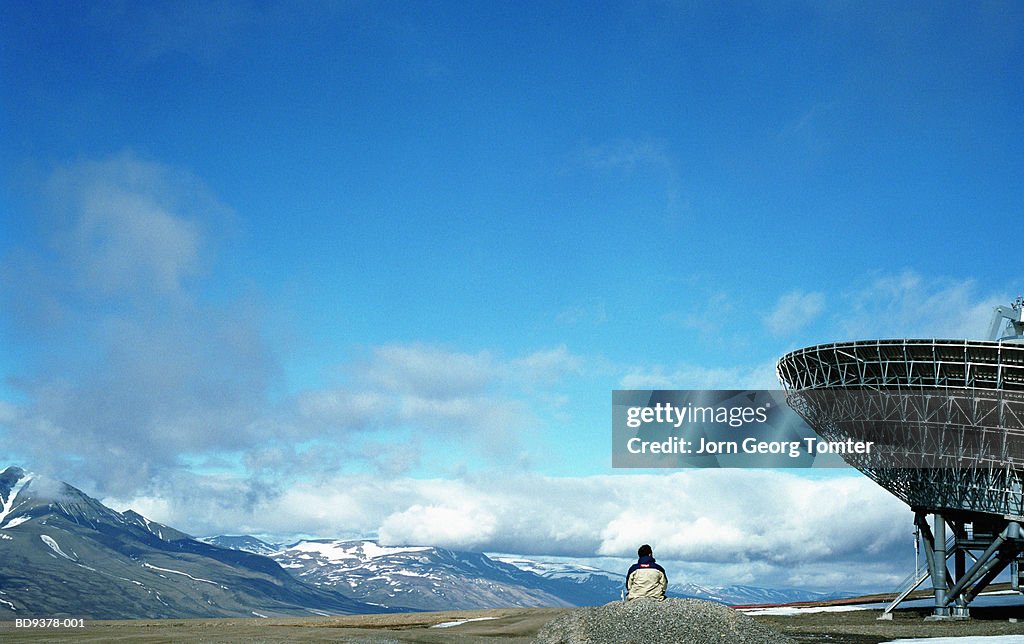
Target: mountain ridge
417 575
63 553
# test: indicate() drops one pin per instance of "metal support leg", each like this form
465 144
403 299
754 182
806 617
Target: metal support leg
982 566
939 575
996 566
960 611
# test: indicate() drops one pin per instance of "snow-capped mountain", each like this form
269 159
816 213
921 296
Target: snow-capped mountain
431 578
243 542
740 595
63 553
419 577
560 569
599 586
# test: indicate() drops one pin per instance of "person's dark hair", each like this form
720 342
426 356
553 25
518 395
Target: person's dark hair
644 551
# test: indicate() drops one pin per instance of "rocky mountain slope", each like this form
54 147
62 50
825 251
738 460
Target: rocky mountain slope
430 578
63 553
421 577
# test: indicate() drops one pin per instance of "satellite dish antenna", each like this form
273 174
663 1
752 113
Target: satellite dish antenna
947 421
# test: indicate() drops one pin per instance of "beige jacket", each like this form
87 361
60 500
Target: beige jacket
646 581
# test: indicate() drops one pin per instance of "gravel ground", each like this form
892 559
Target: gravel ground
700 623
643 621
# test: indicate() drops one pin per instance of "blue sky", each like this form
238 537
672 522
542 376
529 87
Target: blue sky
407 250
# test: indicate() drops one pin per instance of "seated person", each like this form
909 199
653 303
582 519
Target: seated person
646 578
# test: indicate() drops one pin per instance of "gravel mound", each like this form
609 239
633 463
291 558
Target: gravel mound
648 621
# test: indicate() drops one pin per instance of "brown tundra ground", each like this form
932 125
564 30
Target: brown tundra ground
502 625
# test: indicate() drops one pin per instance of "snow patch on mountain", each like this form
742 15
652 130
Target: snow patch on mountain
347 551
48 540
178 572
16 521
9 502
561 569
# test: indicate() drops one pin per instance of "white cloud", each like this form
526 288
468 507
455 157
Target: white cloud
435 390
699 538
794 311
690 376
910 305
129 225
481 400
457 526
545 366
350 409
779 523
146 370
125 238
427 370
723 516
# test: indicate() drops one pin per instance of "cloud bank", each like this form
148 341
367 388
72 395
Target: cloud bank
751 524
125 367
